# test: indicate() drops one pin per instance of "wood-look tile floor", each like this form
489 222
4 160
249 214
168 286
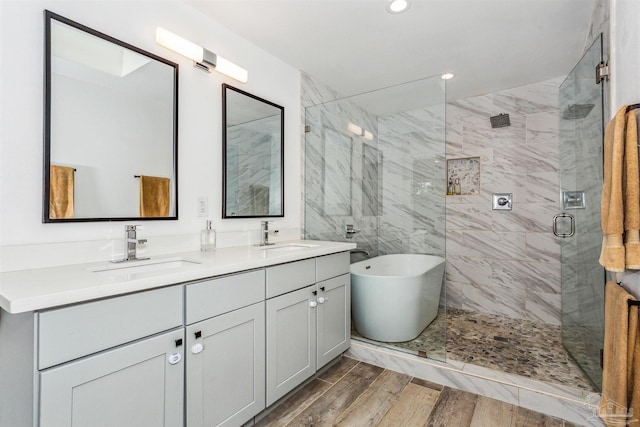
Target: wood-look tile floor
353 393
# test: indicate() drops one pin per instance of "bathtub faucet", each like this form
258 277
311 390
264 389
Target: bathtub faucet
359 251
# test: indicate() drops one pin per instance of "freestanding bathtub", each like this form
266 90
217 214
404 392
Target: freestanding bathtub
395 297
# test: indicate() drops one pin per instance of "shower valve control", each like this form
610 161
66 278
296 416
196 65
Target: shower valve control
502 201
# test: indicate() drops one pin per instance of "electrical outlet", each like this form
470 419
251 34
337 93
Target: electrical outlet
203 206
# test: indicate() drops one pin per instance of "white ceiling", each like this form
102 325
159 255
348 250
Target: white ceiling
356 46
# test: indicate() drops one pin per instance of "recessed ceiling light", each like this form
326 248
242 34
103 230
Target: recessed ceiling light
397 6
447 76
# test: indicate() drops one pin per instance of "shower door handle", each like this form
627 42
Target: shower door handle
573 225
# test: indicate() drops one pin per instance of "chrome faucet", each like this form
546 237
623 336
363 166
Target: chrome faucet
130 244
264 234
349 231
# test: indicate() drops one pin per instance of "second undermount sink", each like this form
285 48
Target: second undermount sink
288 247
149 266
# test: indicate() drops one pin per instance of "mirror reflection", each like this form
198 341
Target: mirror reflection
110 128
253 147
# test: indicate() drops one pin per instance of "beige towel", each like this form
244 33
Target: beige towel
620 208
631 189
61 189
633 368
154 196
620 330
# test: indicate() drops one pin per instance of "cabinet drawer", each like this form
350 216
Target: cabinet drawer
69 333
289 277
217 296
333 265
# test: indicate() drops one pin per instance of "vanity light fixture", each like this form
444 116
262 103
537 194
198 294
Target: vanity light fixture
397 6
447 76
202 58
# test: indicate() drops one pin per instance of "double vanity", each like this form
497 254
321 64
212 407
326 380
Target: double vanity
196 339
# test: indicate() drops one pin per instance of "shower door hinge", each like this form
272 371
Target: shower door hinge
602 73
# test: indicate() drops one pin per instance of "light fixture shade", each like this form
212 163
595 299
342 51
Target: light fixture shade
232 70
205 59
179 45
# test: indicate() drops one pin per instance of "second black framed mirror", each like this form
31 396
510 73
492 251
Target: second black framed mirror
253 155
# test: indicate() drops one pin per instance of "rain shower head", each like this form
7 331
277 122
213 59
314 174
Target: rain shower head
577 111
500 121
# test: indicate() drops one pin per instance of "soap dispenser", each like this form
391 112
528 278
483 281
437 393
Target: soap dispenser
457 188
208 238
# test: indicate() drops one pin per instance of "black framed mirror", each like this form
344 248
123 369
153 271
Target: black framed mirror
111 128
252 156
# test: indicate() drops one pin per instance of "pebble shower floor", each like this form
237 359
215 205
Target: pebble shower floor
514 346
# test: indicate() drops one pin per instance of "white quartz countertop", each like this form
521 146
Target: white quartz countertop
37 289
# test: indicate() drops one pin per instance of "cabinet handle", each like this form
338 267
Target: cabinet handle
179 342
322 288
312 304
197 348
198 334
322 300
315 292
174 358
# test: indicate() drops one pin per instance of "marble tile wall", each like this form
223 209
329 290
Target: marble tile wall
506 262
414 190
389 186
340 173
498 262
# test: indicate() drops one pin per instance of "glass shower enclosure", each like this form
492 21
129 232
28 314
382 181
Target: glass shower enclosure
376 162
581 175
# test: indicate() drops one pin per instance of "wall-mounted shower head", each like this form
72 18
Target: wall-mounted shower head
500 121
577 111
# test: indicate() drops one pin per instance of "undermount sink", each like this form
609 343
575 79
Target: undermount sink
288 247
147 267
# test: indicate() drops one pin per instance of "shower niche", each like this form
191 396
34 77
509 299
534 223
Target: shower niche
463 176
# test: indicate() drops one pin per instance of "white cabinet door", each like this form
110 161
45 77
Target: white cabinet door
291 341
334 318
225 368
140 384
